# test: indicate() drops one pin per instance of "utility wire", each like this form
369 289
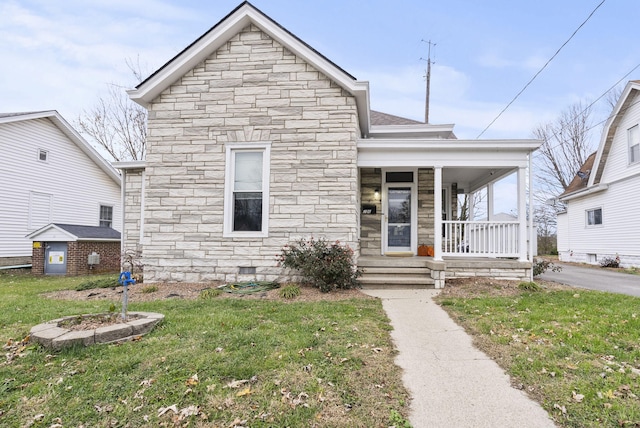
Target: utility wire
588 107
540 71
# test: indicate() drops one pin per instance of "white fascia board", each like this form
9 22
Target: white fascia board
450 144
47 228
225 30
424 131
584 192
73 135
130 165
626 92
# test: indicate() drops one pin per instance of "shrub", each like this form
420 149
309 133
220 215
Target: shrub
540 266
609 262
529 286
289 291
326 266
209 293
149 289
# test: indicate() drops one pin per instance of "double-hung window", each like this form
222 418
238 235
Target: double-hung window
633 135
594 217
106 216
246 205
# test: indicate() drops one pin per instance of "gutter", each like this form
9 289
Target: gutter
581 193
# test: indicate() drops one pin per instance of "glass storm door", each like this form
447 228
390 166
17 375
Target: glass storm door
398 228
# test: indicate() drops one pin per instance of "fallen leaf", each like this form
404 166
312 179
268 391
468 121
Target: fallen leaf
163 410
243 392
147 382
193 380
236 383
563 409
377 350
577 397
189 411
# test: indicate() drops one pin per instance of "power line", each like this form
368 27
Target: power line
588 107
540 71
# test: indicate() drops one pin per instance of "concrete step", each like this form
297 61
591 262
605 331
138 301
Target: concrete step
400 281
396 270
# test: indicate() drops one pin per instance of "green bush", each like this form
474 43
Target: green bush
289 291
529 286
326 266
149 289
209 293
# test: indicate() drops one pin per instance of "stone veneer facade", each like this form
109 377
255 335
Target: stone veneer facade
251 89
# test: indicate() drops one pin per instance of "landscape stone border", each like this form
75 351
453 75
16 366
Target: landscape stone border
52 336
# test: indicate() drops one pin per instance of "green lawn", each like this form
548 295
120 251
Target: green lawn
577 352
213 362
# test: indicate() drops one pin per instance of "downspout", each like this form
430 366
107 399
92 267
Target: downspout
142 199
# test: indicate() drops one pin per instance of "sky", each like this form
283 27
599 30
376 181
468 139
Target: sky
63 54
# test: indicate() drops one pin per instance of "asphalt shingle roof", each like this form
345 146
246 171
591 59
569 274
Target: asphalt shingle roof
90 232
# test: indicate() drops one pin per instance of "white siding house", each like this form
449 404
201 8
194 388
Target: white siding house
50 174
601 219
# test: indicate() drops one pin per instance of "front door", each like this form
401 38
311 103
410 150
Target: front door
55 258
400 212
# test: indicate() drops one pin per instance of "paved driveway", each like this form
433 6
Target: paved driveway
595 279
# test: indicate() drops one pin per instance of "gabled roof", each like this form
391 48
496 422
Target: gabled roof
77 232
71 133
610 128
241 17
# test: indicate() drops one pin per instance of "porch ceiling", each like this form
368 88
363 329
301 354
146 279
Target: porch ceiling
471 179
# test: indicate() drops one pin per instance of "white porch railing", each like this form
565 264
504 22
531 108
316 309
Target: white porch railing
480 238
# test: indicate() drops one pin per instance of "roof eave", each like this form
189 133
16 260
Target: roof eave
429 143
583 192
129 165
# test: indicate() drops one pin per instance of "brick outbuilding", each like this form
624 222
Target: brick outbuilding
68 249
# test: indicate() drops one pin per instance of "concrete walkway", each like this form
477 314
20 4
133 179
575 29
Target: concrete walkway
452 383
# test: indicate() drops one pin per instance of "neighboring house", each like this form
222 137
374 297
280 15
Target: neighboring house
601 217
255 140
50 174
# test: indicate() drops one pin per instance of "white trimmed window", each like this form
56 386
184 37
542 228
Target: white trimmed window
633 134
246 190
594 217
106 216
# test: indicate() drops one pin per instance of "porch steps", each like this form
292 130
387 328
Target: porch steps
395 272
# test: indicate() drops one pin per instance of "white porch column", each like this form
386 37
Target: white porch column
522 214
437 215
490 201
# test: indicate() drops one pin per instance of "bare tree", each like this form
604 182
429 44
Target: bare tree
566 146
116 124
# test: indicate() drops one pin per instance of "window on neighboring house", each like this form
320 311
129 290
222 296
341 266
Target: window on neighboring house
633 135
106 216
43 155
594 217
246 202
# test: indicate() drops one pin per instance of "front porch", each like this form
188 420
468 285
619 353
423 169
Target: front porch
422 190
